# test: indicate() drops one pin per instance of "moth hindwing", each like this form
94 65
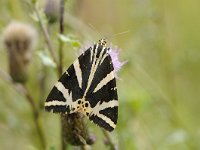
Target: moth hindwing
88 86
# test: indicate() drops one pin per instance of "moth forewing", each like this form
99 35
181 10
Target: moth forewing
88 86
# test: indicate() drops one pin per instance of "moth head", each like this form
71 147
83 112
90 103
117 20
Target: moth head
102 42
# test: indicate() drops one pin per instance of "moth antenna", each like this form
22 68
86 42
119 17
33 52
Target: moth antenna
94 29
117 34
103 39
121 33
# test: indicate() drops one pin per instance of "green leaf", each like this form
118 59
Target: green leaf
178 136
76 43
42 16
33 1
68 39
64 38
31 147
52 148
34 17
46 59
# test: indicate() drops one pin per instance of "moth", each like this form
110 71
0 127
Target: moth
89 87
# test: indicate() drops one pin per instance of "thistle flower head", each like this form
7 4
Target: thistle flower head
19 39
117 64
19 36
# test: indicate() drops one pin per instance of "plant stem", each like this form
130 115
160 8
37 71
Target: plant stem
36 117
22 89
42 87
46 35
109 140
61 30
60 66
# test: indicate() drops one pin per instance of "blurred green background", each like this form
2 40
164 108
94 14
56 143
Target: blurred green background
159 90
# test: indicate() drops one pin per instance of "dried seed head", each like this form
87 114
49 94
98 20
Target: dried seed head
19 36
19 39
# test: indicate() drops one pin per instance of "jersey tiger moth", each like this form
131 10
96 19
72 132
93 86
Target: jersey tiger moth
89 87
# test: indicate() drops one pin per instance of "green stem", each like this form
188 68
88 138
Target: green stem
46 35
60 66
109 140
22 89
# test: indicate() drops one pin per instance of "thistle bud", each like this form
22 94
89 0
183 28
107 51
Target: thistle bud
75 130
52 8
19 39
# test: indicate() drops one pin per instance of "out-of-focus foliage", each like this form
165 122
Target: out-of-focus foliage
159 90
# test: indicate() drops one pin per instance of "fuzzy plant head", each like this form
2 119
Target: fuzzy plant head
19 40
117 64
19 36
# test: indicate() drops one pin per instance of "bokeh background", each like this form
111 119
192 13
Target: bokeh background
159 89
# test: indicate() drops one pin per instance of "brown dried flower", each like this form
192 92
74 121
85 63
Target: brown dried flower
19 39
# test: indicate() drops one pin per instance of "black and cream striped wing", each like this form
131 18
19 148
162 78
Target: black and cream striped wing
89 87
102 94
69 88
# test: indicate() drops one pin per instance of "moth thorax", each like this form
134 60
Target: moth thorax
83 106
102 42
